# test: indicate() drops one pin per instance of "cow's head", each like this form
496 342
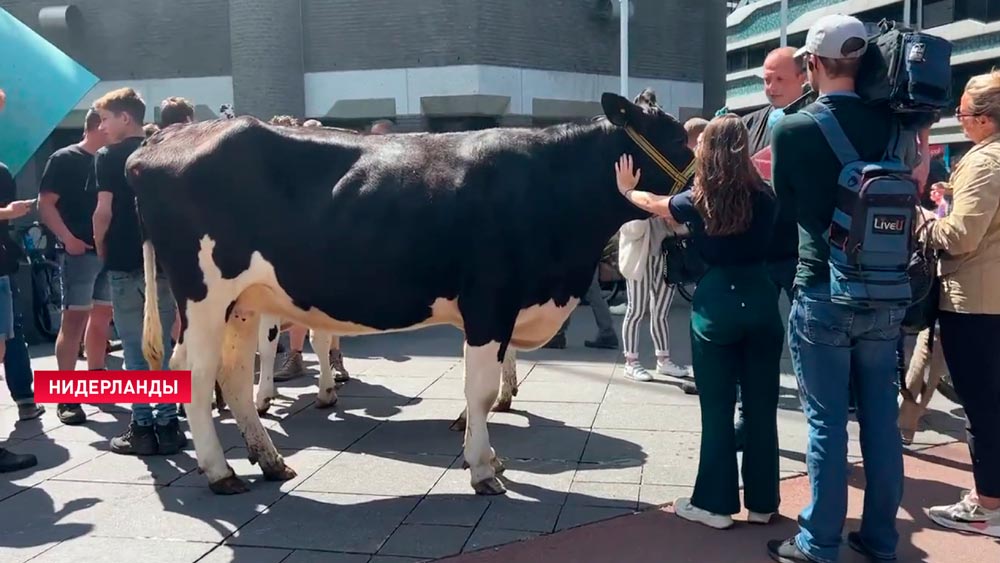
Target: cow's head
653 134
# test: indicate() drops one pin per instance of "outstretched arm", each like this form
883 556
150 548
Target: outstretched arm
658 205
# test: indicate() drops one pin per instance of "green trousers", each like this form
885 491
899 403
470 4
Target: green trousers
736 339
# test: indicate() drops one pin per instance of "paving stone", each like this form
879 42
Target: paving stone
394 559
574 515
526 480
414 367
649 417
612 495
536 415
53 459
184 513
640 446
546 442
324 521
572 373
660 392
658 495
483 538
386 386
100 427
305 556
15 429
425 410
23 554
411 437
561 392
306 430
114 468
402 474
448 510
55 511
445 388
116 550
680 474
519 515
304 462
423 540
229 554
609 473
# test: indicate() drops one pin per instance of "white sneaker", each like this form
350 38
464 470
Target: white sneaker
637 372
619 309
667 367
688 511
967 515
759 517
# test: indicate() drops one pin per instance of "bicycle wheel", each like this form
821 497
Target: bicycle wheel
47 303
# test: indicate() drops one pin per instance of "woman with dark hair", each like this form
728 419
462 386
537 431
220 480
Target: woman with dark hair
736 329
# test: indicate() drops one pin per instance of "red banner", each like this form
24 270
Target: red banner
98 387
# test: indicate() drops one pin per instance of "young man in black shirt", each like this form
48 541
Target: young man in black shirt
118 240
67 208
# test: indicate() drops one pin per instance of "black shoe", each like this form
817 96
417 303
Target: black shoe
71 414
136 440
10 461
606 342
29 411
169 437
857 544
786 551
689 388
558 342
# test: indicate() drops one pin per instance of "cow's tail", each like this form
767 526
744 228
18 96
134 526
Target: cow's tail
152 330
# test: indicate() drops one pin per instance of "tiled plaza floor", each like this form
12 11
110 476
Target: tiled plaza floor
379 477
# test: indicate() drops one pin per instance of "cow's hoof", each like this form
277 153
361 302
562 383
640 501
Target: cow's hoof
503 405
498 466
283 473
252 458
513 392
264 407
489 487
326 399
231 485
458 425
341 378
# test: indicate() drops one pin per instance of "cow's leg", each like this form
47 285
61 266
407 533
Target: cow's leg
482 381
508 381
340 374
508 390
202 346
236 377
327 396
267 347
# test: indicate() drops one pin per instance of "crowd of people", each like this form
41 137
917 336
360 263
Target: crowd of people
762 237
761 231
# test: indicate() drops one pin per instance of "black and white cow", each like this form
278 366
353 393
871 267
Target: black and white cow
496 232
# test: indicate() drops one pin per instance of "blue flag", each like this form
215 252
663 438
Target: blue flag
42 84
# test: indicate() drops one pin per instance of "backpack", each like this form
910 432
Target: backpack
910 71
871 237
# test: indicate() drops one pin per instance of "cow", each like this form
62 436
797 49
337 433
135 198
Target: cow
496 232
267 347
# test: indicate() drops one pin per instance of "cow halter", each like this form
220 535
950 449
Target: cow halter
680 178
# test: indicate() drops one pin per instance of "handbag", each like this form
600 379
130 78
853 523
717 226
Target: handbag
925 283
682 263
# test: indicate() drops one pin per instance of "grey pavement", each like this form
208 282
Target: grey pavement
379 476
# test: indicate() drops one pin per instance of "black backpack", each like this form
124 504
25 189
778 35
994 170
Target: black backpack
907 70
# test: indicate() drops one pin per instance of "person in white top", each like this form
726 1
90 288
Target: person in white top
640 261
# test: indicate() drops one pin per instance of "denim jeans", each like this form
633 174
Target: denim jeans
831 343
17 362
127 301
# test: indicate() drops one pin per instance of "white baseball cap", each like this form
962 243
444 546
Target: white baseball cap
836 36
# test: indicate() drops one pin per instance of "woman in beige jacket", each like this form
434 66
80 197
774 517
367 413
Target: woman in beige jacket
970 302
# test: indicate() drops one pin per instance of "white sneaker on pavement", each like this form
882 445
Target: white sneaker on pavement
637 372
667 367
688 511
967 515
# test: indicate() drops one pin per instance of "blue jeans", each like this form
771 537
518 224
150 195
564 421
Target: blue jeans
16 361
830 344
127 301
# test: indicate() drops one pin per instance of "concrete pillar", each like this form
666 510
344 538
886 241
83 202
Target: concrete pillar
714 55
265 42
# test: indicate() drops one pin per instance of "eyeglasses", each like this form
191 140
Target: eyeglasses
960 115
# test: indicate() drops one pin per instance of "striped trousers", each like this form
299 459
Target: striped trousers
650 295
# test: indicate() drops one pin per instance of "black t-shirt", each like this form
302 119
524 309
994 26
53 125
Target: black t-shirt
760 133
124 239
9 251
744 249
67 174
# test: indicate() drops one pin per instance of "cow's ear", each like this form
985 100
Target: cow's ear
618 110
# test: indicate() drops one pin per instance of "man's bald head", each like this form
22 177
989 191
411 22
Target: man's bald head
783 77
